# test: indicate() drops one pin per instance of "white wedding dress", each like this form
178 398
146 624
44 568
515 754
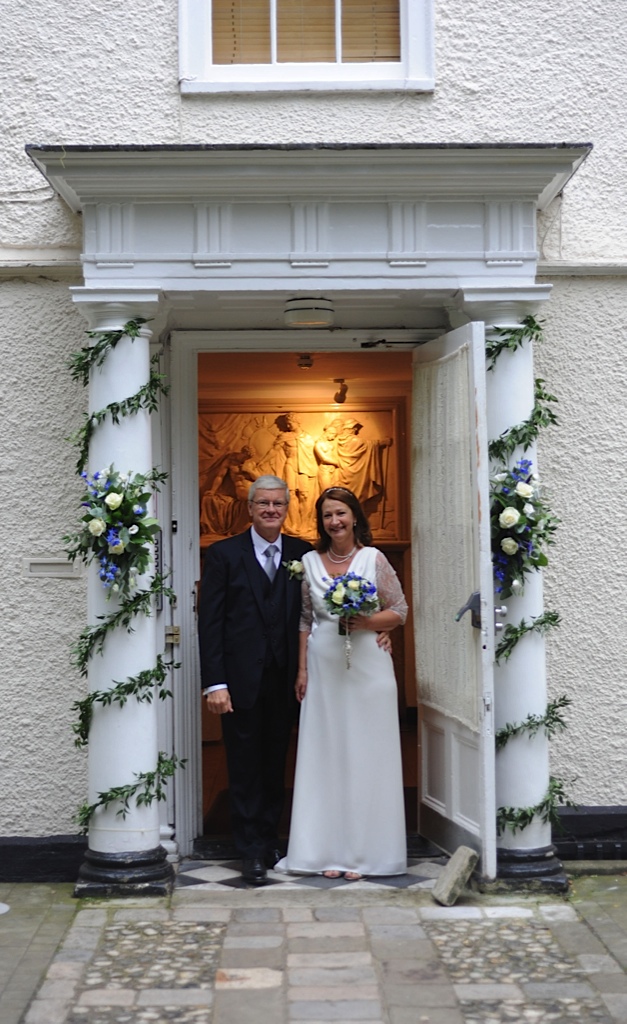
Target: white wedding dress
348 810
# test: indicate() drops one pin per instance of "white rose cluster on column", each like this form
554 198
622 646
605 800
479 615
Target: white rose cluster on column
509 517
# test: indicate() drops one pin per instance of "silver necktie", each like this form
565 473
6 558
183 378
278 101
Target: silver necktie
270 566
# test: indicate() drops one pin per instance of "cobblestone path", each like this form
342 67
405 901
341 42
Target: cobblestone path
356 958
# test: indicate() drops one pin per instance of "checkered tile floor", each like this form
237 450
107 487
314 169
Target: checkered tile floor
223 875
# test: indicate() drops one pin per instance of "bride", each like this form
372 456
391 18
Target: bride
348 813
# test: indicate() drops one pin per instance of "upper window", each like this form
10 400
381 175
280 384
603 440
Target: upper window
255 45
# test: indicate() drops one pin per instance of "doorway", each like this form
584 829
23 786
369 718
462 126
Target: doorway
256 412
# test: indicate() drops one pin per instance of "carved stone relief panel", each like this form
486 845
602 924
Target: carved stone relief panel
361 448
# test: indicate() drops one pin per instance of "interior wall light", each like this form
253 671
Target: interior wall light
340 395
304 361
308 312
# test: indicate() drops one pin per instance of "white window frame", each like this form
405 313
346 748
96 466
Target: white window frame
414 71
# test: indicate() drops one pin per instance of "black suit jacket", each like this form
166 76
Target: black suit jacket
231 627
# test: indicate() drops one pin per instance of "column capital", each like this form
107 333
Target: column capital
505 306
109 309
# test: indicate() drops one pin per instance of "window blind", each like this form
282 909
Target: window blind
305 31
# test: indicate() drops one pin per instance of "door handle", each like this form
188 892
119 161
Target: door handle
473 605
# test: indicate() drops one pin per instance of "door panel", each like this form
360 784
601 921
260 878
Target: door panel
451 559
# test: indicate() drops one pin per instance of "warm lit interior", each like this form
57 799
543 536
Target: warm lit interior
242 401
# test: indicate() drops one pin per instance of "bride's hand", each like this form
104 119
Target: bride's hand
356 622
301 686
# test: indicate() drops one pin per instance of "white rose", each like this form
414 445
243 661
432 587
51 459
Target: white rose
509 517
114 500
133 529
96 527
529 510
500 477
353 584
509 546
338 594
524 490
116 549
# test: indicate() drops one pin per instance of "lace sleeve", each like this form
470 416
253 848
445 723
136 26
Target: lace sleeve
389 588
306 610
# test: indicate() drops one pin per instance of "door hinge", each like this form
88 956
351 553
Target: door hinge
172 634
487 702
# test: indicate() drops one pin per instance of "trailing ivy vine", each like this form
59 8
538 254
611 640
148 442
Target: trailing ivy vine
522 526
117 531
524 434
510 339
518 818
512 634
551 721
149 786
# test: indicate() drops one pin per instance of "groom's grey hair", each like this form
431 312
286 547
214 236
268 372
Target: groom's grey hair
268 483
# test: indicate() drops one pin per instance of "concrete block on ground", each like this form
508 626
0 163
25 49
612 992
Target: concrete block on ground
452 882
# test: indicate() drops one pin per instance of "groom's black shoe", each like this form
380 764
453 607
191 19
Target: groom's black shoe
271 857
254 871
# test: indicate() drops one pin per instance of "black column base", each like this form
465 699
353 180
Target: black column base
536 870
136 873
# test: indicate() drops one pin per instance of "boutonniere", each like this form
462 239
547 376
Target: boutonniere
295 569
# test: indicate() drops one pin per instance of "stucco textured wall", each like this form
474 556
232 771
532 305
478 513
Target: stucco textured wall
43 778
582 461
512 73
505 73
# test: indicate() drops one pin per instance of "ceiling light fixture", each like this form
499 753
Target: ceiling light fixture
308 312
340 395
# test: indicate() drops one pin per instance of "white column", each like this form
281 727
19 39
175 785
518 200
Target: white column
522 766
520 689
122 740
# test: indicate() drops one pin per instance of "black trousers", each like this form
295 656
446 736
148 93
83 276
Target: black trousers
256 741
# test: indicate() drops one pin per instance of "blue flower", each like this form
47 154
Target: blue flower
113 536
139 510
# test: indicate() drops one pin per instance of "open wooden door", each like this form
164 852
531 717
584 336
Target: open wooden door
450 561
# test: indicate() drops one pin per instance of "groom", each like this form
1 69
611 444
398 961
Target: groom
248 629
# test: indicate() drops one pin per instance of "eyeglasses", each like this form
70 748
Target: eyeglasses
270 504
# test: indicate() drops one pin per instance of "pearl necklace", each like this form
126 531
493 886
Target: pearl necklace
338 561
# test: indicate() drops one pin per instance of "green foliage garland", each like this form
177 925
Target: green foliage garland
117 531
524 434
91 356
512 634
551 721
142 686
91 640
518 818
510 339
148 787
146 398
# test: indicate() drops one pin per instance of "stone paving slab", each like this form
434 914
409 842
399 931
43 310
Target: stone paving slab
319 955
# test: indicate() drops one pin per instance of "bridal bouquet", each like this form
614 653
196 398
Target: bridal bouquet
347 596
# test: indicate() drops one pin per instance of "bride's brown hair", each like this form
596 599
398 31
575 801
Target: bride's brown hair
362 531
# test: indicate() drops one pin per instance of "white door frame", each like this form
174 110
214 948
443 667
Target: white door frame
185 347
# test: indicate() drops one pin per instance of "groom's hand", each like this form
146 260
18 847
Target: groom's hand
384 642
219 702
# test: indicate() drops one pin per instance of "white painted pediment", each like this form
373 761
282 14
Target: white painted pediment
409 223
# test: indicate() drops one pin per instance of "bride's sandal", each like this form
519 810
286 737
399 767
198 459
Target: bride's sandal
331 874
353 876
